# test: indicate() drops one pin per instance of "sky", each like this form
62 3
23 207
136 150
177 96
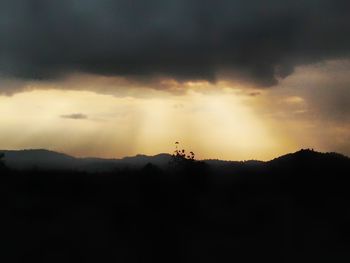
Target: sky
231 79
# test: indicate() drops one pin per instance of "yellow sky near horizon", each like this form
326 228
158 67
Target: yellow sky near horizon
216 125
221 120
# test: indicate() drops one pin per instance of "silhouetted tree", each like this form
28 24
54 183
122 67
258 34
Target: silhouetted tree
180 156
191 172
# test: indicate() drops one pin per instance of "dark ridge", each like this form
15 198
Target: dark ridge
310 153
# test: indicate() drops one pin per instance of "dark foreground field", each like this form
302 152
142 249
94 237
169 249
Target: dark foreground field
292 209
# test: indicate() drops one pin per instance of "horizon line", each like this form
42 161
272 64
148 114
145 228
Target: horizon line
164 153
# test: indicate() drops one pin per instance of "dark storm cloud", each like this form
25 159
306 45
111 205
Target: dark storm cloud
75 116
182 39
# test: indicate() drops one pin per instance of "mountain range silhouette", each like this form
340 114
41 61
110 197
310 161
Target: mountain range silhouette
51 160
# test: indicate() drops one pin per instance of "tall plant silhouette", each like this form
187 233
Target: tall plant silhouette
180 157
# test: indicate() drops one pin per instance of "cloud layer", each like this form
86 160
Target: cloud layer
259 41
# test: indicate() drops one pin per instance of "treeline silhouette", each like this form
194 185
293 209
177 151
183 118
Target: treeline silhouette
292 209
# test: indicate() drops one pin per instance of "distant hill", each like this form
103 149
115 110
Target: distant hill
309 160
307 154
39 158
50 160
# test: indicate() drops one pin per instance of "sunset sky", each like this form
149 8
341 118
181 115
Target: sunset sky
227 79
